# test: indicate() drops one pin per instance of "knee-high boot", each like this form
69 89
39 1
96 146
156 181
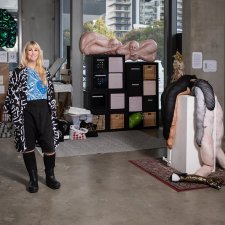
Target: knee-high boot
49 162
31 165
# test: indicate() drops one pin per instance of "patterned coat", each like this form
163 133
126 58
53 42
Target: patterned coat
16 101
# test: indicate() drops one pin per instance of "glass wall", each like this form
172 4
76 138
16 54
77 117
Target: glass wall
128 20
124 19
64 27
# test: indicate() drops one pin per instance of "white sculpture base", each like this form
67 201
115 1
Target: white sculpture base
184 156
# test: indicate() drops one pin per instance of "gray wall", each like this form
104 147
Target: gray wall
204 31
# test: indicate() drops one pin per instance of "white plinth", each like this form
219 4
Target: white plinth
184 156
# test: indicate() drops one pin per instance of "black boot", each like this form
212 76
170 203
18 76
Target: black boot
31 165
51 182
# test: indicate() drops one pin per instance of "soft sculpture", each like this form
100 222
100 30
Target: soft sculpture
145 50
178 67
8 29
135 119
209 137
92 43
192 178
200 110
205 98
209 127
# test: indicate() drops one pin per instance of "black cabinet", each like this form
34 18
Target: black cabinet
142 95
116 89
105 93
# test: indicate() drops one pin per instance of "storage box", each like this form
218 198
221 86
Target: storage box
133 71
100 81
117 101
98 102
134 88
116 121
116 64
135 104
150 103
149 87
115 80
100 64
4 72
149 72
99 120
149 119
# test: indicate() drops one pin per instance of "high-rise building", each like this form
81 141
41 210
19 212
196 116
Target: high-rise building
125 15
119 16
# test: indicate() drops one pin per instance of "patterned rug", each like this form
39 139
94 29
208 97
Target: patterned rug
159 169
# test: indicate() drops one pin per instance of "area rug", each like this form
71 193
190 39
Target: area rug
159 169
110 142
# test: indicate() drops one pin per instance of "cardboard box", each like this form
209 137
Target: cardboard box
149 119
116 121
149 72
99 120
4 72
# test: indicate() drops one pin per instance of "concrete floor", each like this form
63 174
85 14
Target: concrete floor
102 189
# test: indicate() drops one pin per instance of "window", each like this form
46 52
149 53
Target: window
148 22
64 27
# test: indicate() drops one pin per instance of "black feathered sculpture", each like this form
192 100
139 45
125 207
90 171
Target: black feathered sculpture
168 100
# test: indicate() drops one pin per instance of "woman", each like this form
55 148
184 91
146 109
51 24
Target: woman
31 104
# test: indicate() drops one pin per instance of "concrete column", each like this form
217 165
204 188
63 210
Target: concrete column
76 63
204 31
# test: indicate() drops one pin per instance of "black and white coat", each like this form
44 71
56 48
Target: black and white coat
16 101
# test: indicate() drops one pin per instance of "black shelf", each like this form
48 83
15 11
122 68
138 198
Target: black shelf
115 89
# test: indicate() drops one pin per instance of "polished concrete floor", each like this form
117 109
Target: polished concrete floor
102 189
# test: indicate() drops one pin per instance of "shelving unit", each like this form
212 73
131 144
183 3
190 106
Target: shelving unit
142 81
115 89
105 93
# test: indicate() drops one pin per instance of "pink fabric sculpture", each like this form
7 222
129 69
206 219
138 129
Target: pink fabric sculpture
145 50
208 121
93 43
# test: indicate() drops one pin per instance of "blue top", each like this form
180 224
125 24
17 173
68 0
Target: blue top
35 88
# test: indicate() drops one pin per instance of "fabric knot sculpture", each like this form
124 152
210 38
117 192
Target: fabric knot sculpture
208 119
92 43
8 29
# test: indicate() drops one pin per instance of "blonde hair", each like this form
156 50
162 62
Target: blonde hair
39 64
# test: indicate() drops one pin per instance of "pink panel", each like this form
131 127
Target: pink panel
115 64
117 101
115 80
135 103
149 87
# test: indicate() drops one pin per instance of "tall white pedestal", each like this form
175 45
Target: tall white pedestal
184 156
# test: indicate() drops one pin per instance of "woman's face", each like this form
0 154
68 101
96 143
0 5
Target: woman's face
32 54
